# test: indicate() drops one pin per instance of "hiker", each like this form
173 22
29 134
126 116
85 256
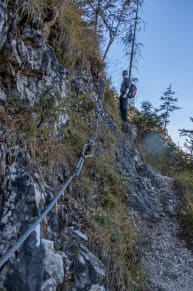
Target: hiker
125 86
100 85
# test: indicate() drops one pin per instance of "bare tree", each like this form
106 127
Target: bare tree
111 20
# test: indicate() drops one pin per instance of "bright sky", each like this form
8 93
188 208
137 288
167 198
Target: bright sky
167 57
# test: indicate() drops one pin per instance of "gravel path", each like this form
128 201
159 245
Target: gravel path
166 258
153 201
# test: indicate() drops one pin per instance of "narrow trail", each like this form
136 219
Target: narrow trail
153 200
166 258
168 262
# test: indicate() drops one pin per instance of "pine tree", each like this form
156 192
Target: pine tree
146 109
151 119
189 139
168 106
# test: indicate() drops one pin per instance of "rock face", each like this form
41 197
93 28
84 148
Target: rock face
30 72
59 254
3 22
28 66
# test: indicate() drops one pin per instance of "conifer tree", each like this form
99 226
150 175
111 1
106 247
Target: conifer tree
146 109
149 114
168 106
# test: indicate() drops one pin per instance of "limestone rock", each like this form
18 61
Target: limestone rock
3 22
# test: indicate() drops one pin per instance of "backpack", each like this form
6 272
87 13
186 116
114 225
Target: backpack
132 91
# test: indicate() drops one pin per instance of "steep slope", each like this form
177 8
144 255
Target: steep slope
47 113
116 219
34 90
154 200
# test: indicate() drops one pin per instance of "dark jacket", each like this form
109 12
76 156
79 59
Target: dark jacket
125 84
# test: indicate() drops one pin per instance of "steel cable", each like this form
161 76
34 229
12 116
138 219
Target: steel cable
86 152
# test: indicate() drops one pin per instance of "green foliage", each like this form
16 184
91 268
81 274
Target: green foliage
168 105
152 119
147 120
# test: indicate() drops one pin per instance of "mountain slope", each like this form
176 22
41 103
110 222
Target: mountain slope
115 227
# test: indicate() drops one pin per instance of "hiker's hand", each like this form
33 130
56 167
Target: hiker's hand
125 95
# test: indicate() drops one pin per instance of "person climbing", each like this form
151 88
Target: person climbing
125 86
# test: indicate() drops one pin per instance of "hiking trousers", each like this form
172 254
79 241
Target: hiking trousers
124 108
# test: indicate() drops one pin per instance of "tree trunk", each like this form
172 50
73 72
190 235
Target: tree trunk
97 16
107 49
133 42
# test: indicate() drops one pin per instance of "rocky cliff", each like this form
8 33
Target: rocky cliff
116 222
34 83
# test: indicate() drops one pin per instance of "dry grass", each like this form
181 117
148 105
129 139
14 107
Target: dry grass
65 29
75 44
108 223
109 227
111 105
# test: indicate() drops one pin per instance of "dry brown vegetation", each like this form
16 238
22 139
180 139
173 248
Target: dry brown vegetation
107 223
74 43
64 28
